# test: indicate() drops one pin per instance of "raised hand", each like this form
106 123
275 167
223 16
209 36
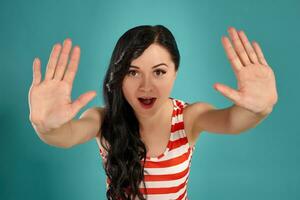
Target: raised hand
50 100
255 79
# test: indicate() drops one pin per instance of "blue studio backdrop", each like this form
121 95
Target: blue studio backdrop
262 163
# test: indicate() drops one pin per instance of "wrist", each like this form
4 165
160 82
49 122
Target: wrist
41 128
260 114
265 112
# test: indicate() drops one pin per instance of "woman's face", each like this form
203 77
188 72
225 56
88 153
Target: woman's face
151 75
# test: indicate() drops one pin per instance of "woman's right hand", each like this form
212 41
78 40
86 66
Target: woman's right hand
50 101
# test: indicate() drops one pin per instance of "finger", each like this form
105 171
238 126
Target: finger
228 92
231 55
238 46
250 51
259 54
82 101
73 65
52 62
36 71
63 60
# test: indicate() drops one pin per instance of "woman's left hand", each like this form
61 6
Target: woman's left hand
256 81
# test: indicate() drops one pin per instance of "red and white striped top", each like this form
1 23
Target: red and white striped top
166 176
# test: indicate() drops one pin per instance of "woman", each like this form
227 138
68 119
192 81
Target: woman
146 138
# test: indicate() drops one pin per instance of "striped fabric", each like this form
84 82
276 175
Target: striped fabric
166 176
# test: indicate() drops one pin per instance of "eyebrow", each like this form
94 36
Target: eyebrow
155 66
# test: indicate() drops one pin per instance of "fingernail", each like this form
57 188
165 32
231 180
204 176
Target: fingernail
35 61
67 40
231 28
57 45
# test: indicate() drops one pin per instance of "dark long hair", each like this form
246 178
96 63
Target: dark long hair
120 128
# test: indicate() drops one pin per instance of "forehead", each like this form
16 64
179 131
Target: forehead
153 55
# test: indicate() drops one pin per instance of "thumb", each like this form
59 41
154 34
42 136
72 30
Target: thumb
228 92
82 101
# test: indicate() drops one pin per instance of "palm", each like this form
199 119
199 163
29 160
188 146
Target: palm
255 84
50 100
255 79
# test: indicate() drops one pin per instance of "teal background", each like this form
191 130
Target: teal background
262 163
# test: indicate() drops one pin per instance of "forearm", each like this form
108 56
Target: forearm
241 119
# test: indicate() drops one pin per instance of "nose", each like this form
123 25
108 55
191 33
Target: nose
146 84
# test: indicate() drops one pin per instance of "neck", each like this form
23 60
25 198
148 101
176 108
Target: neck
149 122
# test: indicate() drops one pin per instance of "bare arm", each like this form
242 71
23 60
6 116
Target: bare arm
58 137
241 119
231 120
255 96
52 111
74 132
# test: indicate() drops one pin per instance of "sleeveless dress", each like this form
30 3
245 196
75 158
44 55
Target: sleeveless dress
166 176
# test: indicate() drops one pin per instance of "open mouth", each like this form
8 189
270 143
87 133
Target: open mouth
147 102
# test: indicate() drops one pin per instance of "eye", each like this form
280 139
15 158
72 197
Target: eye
132 72
159 72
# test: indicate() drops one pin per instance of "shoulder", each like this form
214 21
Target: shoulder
93 112
95 115
198 107
194 110
191 114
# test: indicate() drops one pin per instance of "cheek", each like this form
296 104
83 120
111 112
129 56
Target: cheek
128 89
165 86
